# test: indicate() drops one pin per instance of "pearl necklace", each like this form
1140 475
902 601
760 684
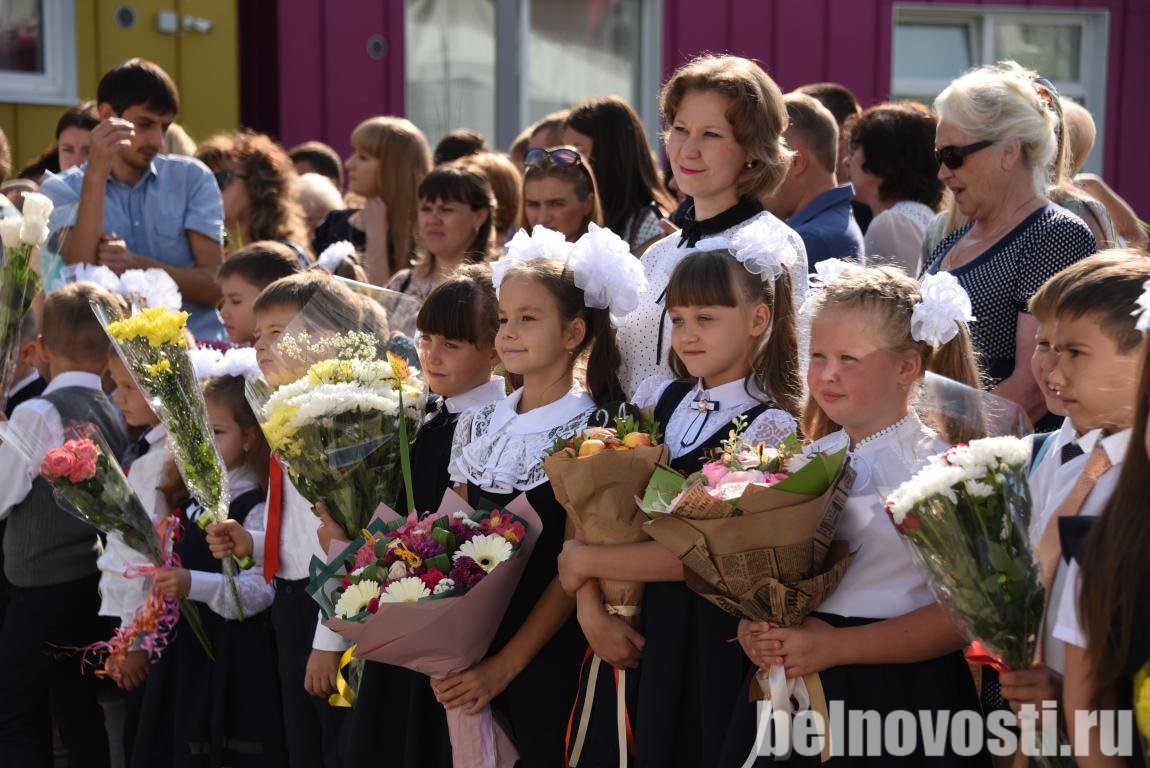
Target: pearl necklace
885 431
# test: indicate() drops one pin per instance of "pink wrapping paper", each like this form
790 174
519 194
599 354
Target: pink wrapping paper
440 638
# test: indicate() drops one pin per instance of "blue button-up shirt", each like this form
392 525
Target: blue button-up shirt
175 195
828 227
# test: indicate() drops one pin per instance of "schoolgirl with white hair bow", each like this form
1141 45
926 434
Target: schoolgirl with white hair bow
880 641
558 303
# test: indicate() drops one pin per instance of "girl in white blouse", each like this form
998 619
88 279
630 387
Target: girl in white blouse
879 641
733 334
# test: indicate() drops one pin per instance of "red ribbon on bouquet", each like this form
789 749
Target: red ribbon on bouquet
979 655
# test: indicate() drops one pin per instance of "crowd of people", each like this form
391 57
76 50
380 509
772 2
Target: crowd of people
782 244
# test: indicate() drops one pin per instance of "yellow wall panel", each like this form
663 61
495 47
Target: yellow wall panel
36 126
114 43
209 69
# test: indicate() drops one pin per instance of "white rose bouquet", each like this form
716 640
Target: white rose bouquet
19 281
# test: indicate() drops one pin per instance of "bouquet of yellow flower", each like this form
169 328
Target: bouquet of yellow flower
19 282
153 345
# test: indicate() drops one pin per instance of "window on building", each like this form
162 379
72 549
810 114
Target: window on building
561 51
933 45
37 51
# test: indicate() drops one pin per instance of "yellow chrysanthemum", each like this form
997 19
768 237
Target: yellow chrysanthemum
1142 701
159 325
155 369
331 372
278 429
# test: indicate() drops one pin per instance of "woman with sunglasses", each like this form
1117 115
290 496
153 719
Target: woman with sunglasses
895 173
257 184
995 142
724 123
559 192
609 134
391 158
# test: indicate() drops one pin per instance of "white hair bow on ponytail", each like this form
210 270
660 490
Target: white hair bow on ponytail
944 304
610 277
762 247
333 256
542 243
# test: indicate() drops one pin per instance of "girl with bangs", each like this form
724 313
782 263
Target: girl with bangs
457 327
456 213
559 192
735 353
391 158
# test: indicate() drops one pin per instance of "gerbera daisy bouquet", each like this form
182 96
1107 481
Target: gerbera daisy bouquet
428 593
338 406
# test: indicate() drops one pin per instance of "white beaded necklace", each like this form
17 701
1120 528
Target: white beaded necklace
884 431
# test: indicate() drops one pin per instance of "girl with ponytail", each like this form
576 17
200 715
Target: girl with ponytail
879 641
735 349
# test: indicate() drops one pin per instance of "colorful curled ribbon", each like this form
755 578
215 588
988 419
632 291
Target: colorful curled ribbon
345 693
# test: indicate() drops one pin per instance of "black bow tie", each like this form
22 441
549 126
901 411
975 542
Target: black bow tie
134 451
703 409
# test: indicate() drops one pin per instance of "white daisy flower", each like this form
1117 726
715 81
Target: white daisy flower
487 551
408 590
355 598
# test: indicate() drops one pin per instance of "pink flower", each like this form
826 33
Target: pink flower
504 525
57 463
749 458
776 478
365 555
85 450
746 476
714 471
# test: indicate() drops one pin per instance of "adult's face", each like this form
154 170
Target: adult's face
72 146
981 181
148 139
705 157
866 184
554 203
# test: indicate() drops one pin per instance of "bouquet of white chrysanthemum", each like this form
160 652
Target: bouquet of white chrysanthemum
342 430
966 515
19 281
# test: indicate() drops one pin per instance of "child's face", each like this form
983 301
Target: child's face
716 343
132 403
270 324
533 338
1096 383
232 440
236 309
857 382
1041 364
452 366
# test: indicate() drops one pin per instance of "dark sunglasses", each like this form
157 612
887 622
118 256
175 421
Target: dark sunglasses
562 157
952 157
224 178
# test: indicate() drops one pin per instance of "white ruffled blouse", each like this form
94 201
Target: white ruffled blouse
501 451
771 427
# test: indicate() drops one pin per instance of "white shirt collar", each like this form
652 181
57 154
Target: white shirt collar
23 383
74 379
156 434
733 393
241 480
485 394
1114 444
539 419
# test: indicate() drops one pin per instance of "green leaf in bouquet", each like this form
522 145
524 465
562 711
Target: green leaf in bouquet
442 562
817 476
444 538
665 484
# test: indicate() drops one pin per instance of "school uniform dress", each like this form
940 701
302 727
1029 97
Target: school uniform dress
394 696
498 453
882 582
691 673
200 713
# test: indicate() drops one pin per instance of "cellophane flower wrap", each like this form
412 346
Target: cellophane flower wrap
19 281
762 549
153 345
338 406
88 483
597 476
428 593
965 515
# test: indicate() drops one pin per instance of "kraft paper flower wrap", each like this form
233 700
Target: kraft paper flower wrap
769 555
437 635
19 282
152 343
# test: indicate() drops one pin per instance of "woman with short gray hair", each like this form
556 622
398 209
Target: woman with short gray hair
994 143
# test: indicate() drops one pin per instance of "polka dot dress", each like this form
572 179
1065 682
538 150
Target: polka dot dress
1002 280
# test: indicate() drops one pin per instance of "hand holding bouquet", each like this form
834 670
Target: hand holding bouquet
428 594
153 345
19 281
597 476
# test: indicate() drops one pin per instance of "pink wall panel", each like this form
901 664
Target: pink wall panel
301 59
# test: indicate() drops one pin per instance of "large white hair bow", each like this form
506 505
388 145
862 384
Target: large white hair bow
542 243
236 361
334 255
610 277
1142 309
762 247
944 304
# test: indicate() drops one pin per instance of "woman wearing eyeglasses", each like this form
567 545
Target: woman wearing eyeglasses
994 144
559 192
724 123
895 173
256 181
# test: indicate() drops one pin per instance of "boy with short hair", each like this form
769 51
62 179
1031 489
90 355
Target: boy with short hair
1091 374
49 555
308 652
243 276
